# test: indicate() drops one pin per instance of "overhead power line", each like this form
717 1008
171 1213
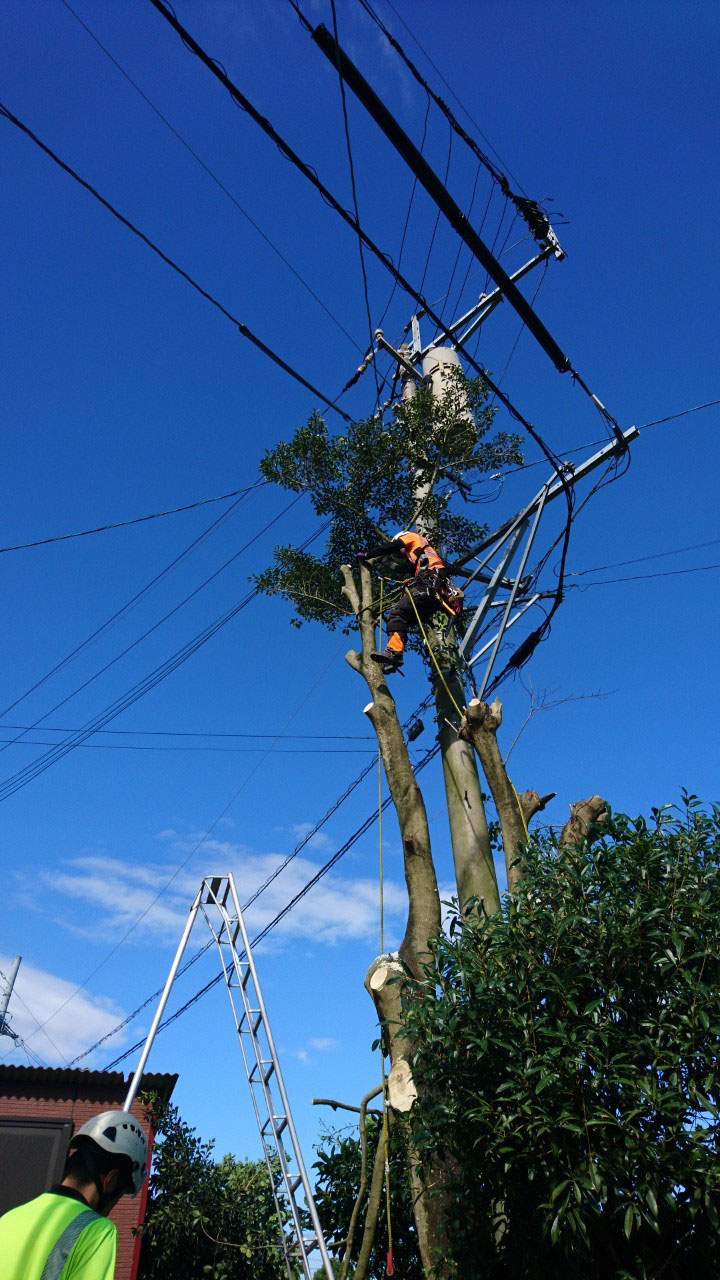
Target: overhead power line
202 733
644 577
138 690
124 524
134 746
656 555
170 262
124 609
212 175
533 214
170 613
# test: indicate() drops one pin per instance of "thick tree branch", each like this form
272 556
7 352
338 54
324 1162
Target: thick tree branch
363 1179
372 1213
585 816
479 726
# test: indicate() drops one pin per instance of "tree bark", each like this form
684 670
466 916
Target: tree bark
584 816
372 1201
372 1213
386 976
479 726
469 836
424 899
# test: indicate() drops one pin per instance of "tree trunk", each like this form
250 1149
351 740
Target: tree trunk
386 976
469 836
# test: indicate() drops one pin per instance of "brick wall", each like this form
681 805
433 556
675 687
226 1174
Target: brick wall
48 1093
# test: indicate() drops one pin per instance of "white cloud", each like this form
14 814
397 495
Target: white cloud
110 896
323 1044
78 1022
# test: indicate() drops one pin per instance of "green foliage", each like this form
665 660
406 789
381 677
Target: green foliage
567 1061
338 1182
366 481
206 1218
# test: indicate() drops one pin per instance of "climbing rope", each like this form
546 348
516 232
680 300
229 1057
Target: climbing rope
432 655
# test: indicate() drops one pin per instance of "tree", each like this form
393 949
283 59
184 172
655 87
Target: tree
567 1064
417 467
206 1218
339 1179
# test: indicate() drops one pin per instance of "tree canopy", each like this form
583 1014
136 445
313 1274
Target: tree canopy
367 480
566 1061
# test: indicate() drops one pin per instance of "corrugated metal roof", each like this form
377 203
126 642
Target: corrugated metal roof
162 1082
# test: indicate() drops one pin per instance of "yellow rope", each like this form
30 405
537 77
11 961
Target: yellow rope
522 815
432 655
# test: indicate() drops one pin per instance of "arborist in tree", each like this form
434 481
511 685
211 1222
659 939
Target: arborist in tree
64 1234
429 591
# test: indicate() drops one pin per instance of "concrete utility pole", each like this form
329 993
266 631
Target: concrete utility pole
5 999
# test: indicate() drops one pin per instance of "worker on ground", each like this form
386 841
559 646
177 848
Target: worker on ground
426 593
65 1234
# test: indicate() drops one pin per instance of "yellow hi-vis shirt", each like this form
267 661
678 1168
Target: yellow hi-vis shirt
56 1237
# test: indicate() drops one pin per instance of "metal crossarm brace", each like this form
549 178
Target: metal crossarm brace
504 543
218 903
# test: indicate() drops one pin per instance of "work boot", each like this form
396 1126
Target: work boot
390 660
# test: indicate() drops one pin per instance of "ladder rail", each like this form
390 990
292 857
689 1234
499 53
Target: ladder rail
262 1066
267 1152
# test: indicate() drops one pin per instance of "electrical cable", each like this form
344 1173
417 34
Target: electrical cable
226 807
330 812
201 733
284 147
448 86
657 555
535 217
171 612
125 746
331 862
643 577
39 1025
212 175
170 262
125 608
437 216
124 524
356 207
149 682
407 218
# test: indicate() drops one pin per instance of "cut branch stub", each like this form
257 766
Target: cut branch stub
585 816
531 803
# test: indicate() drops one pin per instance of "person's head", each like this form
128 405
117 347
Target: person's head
106 1159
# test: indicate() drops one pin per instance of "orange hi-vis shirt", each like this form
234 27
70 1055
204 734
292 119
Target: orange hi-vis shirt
420 554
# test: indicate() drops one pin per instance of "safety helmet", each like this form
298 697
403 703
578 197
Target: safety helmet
122 1135
403 533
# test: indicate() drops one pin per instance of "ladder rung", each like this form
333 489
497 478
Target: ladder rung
294 1183
276 1124
253 1076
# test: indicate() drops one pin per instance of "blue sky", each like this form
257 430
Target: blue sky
125 393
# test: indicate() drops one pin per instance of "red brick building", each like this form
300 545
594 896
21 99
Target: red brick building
40 1109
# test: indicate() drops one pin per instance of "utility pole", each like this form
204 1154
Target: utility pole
5 1029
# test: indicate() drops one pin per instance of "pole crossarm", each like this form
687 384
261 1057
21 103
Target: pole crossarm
217 902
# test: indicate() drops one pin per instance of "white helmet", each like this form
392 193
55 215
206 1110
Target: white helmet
121 1134
403 533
